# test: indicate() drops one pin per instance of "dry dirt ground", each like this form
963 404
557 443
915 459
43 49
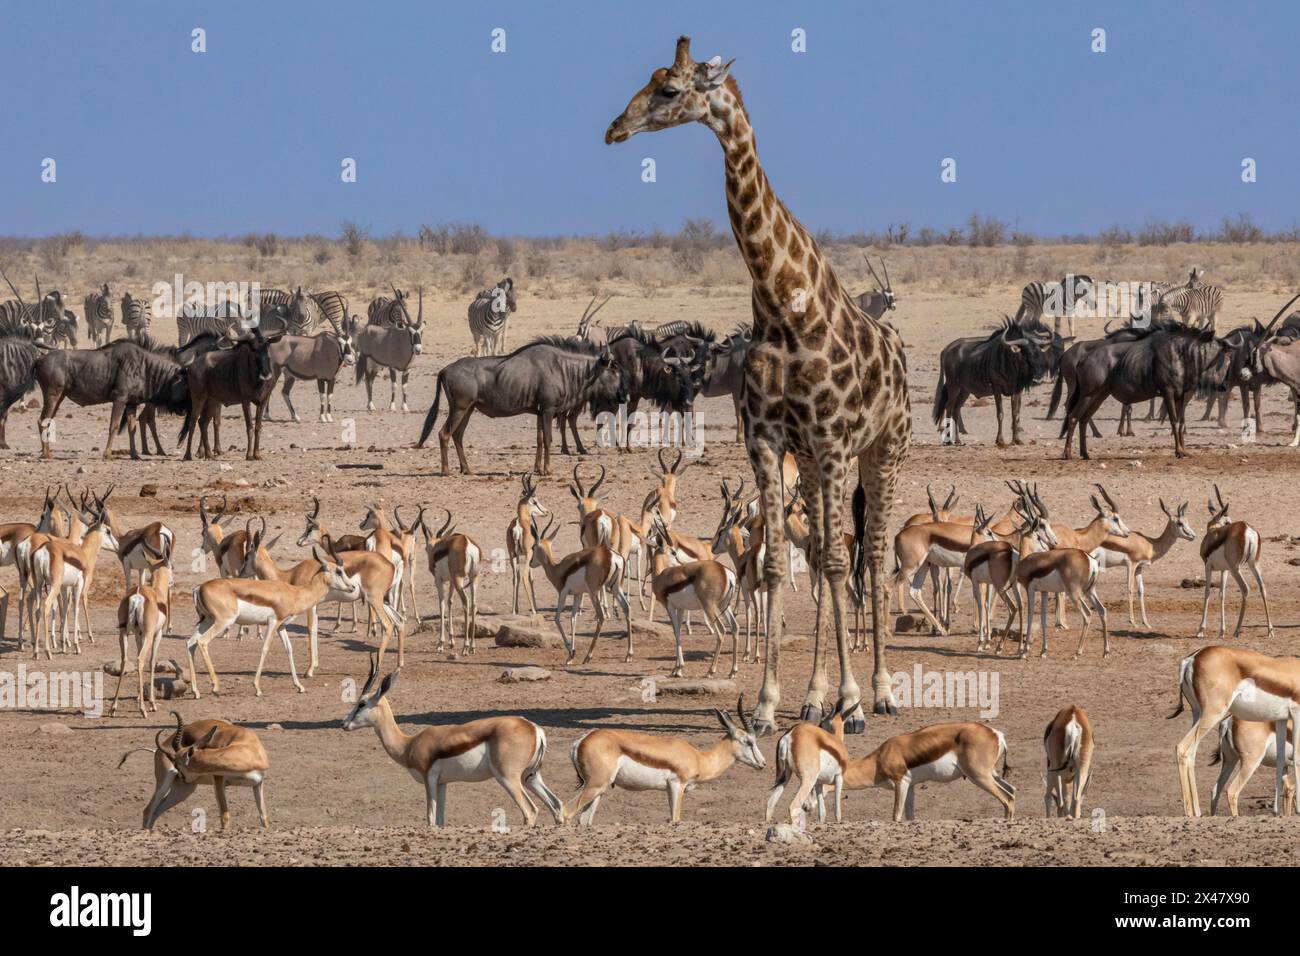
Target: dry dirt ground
336 798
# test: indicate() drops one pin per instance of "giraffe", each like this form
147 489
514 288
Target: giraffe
822 380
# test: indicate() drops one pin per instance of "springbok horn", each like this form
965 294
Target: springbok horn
663 467
578 481
1109 500
678 462
177 737
447 524
370 678
591 492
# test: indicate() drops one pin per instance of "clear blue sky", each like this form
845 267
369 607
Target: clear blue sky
152 138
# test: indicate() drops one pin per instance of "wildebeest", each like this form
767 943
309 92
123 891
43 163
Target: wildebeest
1158 362
21 346
183 355
1007 361
547 379
122 373
489 317
393 347
876 303
723 371
239 371
1068 366
317 357
99 316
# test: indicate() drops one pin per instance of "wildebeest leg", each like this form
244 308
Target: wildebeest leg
1082 421
114 423
997 402
564 439
285 389
149 423
1175 423
132 424
3 419
1015 420
546 444
49 408
257 440
458 436
577 438
735 400
1151 411
214 416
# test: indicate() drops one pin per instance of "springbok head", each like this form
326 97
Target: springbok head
586 496
743 740
1178 520
1108 510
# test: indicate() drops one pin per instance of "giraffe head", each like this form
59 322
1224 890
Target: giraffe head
675 95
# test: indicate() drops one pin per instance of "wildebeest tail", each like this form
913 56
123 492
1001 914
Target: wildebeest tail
1058 389
432 417
940 398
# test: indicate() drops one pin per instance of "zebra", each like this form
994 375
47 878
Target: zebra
1196 305
489 317
99 316
1061 297
291 312
135 316
389 313
47 314
195 320
332 309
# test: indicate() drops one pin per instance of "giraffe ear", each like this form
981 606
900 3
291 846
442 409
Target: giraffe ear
714 73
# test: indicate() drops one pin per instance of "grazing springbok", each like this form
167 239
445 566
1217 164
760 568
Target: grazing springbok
372 572
1228 545
393 346
508 750
1243 746
223 602
815 755
630 760
143 613
590 571
214 753
519 542
1137 551
706 586
1068 744
454 561
940 753
1218 682
315 357
63 571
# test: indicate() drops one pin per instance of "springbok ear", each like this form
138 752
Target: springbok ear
727 725
388 683
206 742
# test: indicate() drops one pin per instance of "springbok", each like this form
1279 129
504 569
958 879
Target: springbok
373 573
1218 682
12 536
63 572
1228 545
211 752
816 756
991 566
1243 746
406 549
630 760
506 749
223 602
1106 523
1137 551
1068 744
383 541
747 558
519 542
141 550
940 753
595 524
919 547
454 561
143 613
341 544
589 571
706 586
1068 571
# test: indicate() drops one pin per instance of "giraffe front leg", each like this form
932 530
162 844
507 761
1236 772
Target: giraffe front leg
765 454
833 562
878 472
815 699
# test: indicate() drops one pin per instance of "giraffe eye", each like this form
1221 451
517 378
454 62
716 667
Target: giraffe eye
668 92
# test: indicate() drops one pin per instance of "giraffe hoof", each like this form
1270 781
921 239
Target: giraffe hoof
884 708
763 728
855 725
812 714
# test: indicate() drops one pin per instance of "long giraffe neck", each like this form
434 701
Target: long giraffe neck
778 251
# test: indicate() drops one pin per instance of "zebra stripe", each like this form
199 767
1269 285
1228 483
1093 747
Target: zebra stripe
1036 296
135 316
489 317
1198 307
291 312
99 315
389 313
195 320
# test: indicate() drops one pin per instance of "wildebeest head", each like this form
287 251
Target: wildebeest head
258 352
1033 341
606 387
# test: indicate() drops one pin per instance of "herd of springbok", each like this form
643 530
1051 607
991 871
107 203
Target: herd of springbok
1010 558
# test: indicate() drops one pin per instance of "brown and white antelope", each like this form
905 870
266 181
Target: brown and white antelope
607 759
508 750
12 536
223 602
1106 523
454 561
991 566
595 524
587 572
940 753
144 614
371 572
1137 551
341 544
920 547
1218 682
1243 746
746 555
214 753
815 756
1067 742
382 541
1227 546
141 550
406 547
519 542
1069 572
63 571
706 586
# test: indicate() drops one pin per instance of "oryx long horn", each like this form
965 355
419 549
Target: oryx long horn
601 306
585 316
1273 321
885 265
876 278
